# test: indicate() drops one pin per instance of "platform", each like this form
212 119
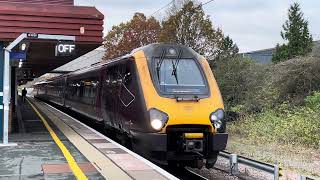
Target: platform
70 150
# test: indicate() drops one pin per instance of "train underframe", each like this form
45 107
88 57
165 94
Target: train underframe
177 149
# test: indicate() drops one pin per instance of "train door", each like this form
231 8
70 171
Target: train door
107 93
126 94
98 90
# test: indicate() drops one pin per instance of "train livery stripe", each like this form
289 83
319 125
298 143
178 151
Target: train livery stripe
71 161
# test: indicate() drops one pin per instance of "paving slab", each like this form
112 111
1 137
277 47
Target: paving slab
36 149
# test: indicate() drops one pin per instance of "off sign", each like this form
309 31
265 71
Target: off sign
65 49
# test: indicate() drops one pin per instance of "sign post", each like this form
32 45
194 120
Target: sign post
1 88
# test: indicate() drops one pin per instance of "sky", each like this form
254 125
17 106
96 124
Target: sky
252 24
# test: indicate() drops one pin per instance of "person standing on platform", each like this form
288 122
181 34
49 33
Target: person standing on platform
24 94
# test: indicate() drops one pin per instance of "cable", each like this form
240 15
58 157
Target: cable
162 7
201 5
207 2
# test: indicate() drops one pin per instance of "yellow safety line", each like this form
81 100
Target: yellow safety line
72 163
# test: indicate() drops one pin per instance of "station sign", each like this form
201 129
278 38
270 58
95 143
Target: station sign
18 55
65 49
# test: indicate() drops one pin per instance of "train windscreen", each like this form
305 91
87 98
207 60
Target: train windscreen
180 76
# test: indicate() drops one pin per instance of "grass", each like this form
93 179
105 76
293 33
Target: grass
284 124
287 134
294 160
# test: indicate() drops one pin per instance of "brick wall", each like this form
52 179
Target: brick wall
55 2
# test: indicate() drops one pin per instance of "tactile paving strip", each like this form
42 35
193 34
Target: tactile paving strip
64 168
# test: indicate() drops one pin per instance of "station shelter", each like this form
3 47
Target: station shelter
37 36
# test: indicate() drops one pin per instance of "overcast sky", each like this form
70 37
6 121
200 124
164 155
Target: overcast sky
252 24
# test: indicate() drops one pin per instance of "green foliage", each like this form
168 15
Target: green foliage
191 27
296 32
278 102
246 84
285 125
237 78
255 87
313 101
296 79
281 53
227 49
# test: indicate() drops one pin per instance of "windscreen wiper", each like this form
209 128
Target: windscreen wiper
175 66
159 63
174 69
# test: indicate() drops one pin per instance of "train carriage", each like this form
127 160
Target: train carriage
163 99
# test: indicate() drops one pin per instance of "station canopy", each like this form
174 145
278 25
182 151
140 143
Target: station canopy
54 17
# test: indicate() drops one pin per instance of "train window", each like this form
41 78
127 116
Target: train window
110 76
174 77
87 90
87 87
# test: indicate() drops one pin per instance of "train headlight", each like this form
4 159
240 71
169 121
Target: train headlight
158 119
217 118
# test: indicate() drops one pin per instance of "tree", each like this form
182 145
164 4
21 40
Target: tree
191 27
227 48
296 32
123 38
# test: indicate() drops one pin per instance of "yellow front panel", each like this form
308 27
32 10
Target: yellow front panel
179 112
193 135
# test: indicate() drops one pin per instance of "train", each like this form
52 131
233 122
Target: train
162 100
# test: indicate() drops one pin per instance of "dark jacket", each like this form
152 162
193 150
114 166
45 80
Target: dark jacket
24 92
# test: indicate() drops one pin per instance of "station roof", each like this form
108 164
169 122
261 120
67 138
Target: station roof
86 60
55 17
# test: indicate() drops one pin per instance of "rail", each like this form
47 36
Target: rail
274 169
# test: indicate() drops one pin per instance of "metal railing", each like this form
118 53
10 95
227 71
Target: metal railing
235 159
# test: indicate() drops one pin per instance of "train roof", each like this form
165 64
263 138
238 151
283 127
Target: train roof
149 50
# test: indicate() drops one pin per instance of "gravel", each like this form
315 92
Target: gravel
221 171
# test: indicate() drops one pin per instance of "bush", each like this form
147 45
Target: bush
297 78
256 87
313 101
232 76
239 81
286 125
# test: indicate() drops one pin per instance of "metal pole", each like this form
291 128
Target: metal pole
6 87
6 92
233 164
276 172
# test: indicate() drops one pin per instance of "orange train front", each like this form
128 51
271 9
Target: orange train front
161 100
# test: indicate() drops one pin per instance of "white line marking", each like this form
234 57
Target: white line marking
153 166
